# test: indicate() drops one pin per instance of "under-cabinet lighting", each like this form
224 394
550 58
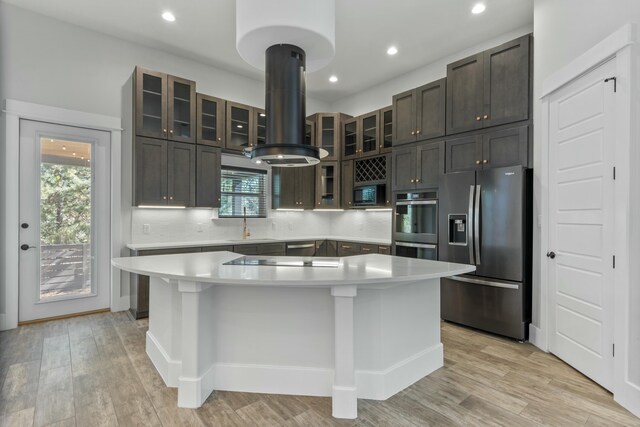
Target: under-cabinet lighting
161 207
378 209
328 210
478 8
168 16
289 210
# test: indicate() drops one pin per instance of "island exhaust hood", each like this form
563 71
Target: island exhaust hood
286 38
285 106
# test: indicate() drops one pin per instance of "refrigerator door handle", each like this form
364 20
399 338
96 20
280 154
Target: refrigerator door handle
469 222
476 224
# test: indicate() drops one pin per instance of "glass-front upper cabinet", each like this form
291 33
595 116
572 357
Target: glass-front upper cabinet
386 130
260 120
239 129
151 103
210 120
369 125
328 134
327 185
310 133
165 106
350 139
182 109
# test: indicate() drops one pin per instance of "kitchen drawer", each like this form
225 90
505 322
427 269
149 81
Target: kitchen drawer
384 250
217 248
246 249
348 249
305 248
278 249
366 248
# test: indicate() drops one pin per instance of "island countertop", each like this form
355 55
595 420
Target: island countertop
371 269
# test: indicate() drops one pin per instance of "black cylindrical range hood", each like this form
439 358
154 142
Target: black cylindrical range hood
285 107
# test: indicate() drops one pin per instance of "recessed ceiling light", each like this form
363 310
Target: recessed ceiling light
168 16
64 147
73 154
392 50
478 8
333 79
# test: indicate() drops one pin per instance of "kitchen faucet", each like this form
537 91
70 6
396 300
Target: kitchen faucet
245 229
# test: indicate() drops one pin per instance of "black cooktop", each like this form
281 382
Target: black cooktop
286 261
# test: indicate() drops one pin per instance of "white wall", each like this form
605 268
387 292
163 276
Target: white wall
50 62
381 95
563 30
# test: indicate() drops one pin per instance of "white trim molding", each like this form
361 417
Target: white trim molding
14 111
621 47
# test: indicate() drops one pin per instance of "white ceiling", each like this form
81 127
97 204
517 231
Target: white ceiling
204 30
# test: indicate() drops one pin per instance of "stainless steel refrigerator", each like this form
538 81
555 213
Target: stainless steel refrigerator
485 220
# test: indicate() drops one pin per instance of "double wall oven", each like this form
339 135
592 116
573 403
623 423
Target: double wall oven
415 225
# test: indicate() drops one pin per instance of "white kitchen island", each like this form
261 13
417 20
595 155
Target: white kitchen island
366 329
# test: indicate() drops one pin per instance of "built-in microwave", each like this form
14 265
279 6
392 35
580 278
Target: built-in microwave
369 195
416 217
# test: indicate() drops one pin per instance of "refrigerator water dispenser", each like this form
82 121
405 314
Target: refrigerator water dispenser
458 229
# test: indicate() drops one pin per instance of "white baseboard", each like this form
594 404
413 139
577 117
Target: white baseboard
298 380
168 368
538 338
381 385
628 395
6 323
121 304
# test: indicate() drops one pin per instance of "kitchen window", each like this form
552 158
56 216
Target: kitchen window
242 189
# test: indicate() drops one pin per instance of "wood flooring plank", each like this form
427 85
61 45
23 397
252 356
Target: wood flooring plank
23 418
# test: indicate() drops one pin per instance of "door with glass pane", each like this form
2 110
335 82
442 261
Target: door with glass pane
64 220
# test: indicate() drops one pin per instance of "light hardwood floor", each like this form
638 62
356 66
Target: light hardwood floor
93 370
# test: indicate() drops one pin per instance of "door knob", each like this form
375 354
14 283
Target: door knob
551 255
24 225
26 247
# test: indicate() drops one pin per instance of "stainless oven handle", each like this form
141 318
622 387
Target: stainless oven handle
418 202
476 224
310 245
416 245
469 225
484 282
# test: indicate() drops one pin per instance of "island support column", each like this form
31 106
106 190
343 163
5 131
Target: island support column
193 385
344 394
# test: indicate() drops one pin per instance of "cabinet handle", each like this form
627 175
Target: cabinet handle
418 132
486 116
485 161
164 197
171 131
349 202
478 118
346 247
219 139
164 131
413 133
477 162
413 180
380 145
418 180
170 197
366 249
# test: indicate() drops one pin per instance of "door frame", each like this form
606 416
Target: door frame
10 213
621 48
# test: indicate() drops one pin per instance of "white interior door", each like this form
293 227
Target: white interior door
64 220
581 229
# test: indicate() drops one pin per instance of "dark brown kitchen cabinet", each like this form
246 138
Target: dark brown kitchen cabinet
326 248
348 249
293 188
260 126
384 250
239 126
328 133
227 248
139 284
386 130
419 114
327 185
273 249
489 88
367 248
310 133
346 183
350 132
149 172
165 106
181 174
210 120
164 173
505 147
419 167
208 168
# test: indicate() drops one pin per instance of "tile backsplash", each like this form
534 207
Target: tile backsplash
183 225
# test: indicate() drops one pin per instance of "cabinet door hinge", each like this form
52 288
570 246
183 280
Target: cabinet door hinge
615 82
614 173
614 261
